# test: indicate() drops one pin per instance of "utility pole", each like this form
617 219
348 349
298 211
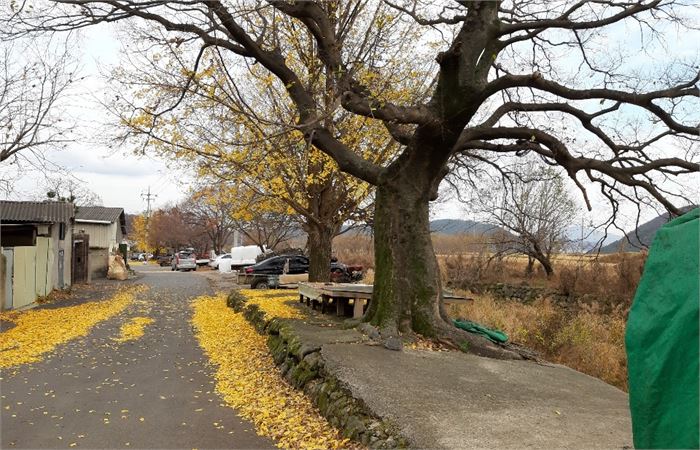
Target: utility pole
149 198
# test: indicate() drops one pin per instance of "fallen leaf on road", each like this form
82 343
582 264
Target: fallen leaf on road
133 329
249 380
39 331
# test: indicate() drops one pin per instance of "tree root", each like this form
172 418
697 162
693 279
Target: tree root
475 344
457 339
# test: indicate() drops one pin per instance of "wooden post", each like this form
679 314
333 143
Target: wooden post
358 308
2 280
340 304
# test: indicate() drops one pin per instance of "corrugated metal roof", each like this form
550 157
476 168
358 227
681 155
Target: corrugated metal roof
102 213
98 213
44 212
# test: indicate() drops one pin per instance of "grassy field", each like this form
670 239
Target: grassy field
585 339
585 333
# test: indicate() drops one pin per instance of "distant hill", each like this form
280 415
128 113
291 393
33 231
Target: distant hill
591 238
641 237
458 226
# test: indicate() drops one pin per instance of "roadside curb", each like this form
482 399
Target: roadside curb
302 365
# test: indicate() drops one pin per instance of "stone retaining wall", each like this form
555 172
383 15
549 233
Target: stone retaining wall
516 292
302 365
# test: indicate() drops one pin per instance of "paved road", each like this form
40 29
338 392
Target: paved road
155 392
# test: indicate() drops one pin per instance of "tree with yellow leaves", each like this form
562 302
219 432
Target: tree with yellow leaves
139 233
240 128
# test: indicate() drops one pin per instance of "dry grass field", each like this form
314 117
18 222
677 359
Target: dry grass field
585 331
586 338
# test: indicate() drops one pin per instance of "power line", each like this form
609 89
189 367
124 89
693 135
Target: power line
149 198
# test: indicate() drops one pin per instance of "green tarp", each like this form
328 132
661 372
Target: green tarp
662 340
488 333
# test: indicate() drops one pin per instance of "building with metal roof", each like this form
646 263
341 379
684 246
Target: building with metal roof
101 215
106 228
36 240
36 212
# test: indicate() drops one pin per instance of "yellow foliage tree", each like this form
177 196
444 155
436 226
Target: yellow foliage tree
139 234
241 128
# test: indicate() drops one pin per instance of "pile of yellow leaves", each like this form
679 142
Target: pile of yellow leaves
249 381
133 329
275 303
39 331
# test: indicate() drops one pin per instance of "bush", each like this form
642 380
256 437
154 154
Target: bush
611 284
236 300
472 270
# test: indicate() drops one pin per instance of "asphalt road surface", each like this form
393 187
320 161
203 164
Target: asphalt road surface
154 392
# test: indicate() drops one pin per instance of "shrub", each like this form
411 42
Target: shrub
236 300
611 284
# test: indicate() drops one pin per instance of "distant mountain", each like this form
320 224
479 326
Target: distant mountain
591 238
458 226
641 237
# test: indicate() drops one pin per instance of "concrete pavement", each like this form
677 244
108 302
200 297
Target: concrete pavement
154 392
453 400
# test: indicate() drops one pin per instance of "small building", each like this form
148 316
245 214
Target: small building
36 242
106 228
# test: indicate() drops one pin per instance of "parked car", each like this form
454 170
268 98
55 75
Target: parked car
214 263
184 260
165 260
275 265
340 272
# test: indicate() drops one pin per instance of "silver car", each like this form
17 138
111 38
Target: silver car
184 261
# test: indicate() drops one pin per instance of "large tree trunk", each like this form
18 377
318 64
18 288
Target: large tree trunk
406 283
320 248
407 295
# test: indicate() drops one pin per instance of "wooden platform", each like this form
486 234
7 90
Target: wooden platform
348 298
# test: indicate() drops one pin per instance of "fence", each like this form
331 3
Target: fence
28 273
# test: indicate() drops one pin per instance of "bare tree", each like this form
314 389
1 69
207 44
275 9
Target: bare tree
218 209
67 188
34 77
534 207
207 211
270 230
510 77
168 228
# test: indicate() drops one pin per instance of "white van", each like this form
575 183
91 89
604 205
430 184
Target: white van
244 256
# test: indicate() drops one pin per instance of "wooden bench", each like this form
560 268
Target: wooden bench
348 298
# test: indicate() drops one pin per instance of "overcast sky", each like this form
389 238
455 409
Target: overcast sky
119 177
